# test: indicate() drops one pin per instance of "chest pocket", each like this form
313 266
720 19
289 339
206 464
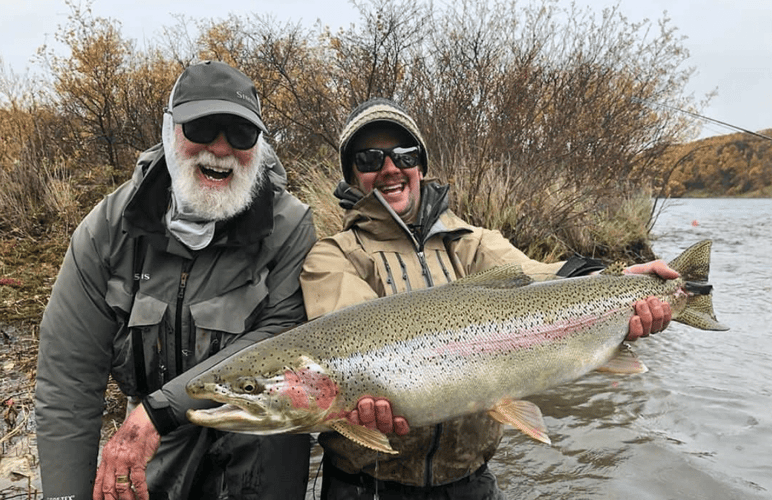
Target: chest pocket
400 268
219 321
137 366
148 351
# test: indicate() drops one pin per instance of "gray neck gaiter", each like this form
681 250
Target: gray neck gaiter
190 229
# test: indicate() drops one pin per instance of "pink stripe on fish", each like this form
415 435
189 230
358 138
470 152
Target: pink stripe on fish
520 339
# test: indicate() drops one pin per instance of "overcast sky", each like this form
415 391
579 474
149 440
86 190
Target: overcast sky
730 41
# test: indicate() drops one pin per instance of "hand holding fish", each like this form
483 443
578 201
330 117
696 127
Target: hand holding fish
375 413
651 315
121 475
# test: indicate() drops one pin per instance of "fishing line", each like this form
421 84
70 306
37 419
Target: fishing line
702 117
316 478
377 456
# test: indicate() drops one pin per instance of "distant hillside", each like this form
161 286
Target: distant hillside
728 165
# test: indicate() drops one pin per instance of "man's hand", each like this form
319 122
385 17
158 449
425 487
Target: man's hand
375 413
121 475
651 315
658 267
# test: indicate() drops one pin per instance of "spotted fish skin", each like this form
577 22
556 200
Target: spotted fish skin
480 343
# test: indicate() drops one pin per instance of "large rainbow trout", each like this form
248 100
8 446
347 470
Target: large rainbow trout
480 343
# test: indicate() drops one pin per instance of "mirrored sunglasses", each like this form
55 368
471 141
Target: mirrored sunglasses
371 160
240 133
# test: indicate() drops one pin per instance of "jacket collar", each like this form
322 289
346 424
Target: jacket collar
373 214
145 210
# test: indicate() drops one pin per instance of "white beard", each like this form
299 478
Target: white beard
216 203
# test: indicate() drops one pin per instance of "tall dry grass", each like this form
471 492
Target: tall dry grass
314 184
38 199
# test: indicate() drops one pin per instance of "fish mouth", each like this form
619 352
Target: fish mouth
233 418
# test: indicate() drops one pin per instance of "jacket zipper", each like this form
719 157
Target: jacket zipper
429 283
186 266
425 268
438 428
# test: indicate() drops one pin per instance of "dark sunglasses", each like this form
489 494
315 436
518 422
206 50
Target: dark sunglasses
371 160
240 133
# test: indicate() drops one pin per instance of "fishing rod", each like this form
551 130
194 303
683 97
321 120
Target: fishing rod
702 117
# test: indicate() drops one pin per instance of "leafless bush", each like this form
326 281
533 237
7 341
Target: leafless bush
540 111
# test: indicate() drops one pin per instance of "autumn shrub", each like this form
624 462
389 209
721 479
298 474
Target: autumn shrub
538 114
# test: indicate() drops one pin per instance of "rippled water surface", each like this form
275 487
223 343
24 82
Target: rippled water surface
698 425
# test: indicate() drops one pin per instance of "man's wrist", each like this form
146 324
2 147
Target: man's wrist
160 413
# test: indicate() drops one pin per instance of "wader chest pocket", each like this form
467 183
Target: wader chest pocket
138 351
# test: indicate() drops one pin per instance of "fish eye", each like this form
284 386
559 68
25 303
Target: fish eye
250 385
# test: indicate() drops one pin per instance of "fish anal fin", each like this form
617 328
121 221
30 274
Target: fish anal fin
369 438
624 361
523 415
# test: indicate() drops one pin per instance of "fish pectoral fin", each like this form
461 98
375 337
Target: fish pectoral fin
524 415
369 438
624 361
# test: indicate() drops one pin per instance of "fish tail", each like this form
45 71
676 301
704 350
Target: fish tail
693 265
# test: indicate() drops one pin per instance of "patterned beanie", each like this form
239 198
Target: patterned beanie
378 109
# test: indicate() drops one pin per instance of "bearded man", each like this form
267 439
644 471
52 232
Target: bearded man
194 258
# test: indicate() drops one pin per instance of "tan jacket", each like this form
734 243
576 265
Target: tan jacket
377 255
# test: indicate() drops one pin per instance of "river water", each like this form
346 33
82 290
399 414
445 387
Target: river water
698 424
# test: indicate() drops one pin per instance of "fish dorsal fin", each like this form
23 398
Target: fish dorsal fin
506 276
369 438
523 415
615 269
624 361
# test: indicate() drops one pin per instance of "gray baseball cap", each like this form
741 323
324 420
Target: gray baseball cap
211 88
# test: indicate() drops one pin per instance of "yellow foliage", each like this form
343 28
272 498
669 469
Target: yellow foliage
737 164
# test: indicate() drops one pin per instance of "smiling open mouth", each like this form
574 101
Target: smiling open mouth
214 173
394 188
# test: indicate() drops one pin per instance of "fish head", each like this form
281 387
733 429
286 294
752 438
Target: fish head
280 396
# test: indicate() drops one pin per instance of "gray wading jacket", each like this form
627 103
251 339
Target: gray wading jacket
190 310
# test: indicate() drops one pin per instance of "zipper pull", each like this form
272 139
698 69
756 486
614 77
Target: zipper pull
183 284
422 260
